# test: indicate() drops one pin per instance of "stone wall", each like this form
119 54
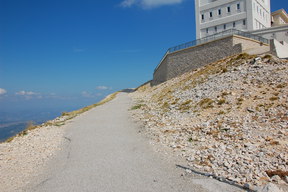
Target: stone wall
180 62
160 74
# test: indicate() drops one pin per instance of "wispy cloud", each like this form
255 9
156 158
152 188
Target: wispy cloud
2 91
23 93
90 95
128 3
29 94
146 4
102 87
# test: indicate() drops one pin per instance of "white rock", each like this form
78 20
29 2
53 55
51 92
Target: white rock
270 187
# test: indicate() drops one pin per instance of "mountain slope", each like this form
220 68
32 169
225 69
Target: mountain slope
228 118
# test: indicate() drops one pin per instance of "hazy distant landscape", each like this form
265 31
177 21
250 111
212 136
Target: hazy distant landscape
15 121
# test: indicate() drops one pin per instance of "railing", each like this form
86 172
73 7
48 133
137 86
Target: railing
217 36
214 37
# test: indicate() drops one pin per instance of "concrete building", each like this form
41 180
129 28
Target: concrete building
279 18
279 29
213 16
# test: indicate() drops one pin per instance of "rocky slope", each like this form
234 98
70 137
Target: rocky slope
228 118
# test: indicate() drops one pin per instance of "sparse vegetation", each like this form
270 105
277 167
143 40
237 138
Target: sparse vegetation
221 112
267 57
274 98
138 106
240 101
282 85
85 109
185 106
276 93
242 56
165 106
30 125
224 93
273 142
206 103
175 101
221 101
224 70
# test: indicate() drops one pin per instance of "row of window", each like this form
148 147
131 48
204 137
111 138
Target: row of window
261 12
228 9
225 26
259 25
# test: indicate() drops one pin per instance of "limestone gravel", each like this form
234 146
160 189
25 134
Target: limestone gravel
228 118
23 158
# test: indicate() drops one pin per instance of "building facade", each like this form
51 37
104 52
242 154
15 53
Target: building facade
213 16
279 18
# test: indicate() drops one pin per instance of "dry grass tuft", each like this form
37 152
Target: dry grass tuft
206 103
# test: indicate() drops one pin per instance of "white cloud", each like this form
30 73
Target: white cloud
101 87
2 91
29 94
149 3
128 3
90 95
26 93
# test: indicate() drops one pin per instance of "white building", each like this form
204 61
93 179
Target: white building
278 30
279 18
213 16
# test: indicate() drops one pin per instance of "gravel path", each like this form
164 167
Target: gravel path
105 152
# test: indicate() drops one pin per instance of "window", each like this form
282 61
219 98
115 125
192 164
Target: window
234 24
202 16
211 14
224 26
216 29
228 9
244 22
219 11
238 6
207 30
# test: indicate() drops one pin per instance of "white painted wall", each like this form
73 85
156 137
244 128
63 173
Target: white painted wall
213 16
281 49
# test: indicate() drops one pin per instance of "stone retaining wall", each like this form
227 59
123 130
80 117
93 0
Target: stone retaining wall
180 62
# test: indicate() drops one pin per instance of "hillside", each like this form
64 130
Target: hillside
228 118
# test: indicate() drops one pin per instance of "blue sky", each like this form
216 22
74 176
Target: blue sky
64 52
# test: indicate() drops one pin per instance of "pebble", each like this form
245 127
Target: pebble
27 155
241 133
